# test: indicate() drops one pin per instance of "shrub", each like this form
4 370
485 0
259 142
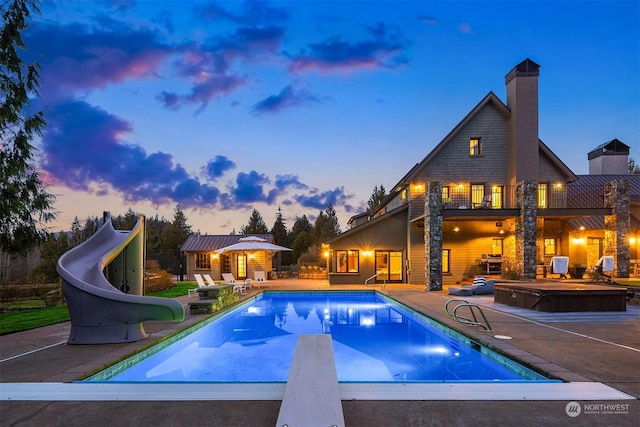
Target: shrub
159 280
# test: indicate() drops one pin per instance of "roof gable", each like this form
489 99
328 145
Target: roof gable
491 98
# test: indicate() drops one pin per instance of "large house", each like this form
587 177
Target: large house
491 197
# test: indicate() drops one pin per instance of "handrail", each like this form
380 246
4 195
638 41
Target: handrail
384 283
466 320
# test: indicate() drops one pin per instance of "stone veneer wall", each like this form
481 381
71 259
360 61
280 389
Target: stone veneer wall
433 236
526 227
617 225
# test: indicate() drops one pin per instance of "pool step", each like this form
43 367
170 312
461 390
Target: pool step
312 395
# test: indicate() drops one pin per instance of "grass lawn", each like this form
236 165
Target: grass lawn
16 321
635 283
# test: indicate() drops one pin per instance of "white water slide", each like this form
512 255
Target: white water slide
103 284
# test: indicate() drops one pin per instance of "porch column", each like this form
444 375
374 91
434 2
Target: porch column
433 236
526 228
618 224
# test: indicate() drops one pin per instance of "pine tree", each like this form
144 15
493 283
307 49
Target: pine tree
376 197
281 237
173 236
25 205
256 224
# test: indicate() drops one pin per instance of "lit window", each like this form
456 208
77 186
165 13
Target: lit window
475 147
348 261
446 268
497 246
543 195
549 246
496 196
203 261
477 195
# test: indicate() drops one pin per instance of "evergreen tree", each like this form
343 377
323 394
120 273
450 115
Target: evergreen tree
91 225
301 244
376 197
25 205
301 224
173 237
326 226
51 249
634 169
76 233
300 237
256 224
281 237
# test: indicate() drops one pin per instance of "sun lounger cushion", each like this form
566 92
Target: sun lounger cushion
486 289
461 292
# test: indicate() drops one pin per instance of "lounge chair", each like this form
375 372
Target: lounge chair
560 265
200 285
604 265
230 280
259 279
209 280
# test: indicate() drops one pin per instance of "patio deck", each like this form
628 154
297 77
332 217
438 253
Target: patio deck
601 347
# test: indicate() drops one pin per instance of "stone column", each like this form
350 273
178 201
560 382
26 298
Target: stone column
526 228
618 224
433 236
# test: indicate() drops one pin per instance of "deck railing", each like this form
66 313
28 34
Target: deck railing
504 197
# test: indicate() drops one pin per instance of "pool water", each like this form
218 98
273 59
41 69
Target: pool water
375 339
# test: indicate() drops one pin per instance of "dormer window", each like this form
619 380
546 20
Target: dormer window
475 147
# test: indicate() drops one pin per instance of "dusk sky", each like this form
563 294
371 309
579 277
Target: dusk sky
223 107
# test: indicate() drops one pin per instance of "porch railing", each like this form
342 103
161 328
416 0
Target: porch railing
504 197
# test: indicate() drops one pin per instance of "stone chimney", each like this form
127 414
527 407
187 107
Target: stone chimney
522 100
610 158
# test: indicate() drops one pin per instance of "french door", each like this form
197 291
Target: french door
389 266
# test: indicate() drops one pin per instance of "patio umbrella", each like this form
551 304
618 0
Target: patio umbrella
252 243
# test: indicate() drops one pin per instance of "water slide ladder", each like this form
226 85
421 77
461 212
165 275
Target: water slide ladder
384 282
473 308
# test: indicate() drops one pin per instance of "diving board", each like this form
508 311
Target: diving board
312 395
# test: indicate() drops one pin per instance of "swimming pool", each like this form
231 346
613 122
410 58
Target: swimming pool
375 339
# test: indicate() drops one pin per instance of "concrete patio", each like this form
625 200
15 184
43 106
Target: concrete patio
581 348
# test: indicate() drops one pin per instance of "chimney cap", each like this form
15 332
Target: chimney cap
609 148
525 68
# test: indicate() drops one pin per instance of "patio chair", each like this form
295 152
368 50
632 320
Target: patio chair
258 277
230 280
604 265
485 204
209 280
200 285
560 265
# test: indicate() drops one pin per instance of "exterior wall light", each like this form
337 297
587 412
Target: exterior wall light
456 229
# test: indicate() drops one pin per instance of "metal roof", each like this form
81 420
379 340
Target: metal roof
634 183
209 243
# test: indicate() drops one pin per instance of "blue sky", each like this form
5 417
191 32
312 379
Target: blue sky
227 106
